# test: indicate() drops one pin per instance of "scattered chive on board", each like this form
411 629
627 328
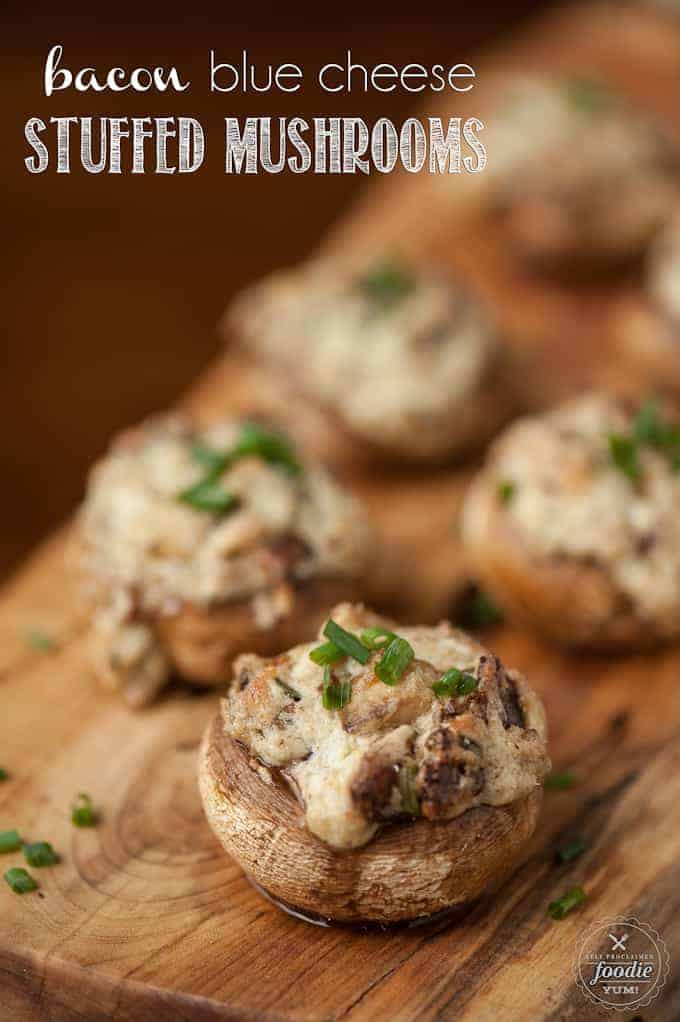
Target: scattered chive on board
10 841
396 657
567 903
40 854
19 880
40 640
348 643
588 95
560 782
571 850
477 610
4 774
83 813
506 491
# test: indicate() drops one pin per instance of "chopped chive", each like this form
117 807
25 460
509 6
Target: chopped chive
209 495
212 461
4 774
326 653
506 491
289 690
572 850
83 813
38 639
386 283
569 901
648 427
19 880
335 694
623 451
348 643
589 96
455 683
394 661
560 782
40 853
376 638
10 841
268 445
481 612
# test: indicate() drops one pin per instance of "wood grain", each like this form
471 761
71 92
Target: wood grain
146 917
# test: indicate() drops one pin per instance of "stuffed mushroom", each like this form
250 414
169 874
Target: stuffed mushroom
583 177
648 326
572 525
380 773
408 363
197 544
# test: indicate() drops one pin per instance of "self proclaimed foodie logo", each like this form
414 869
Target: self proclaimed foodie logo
621 963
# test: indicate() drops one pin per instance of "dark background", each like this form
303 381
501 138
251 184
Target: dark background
113 284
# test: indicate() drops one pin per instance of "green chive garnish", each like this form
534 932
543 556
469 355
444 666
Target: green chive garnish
19 880
506 491
209 495
572 850
335 694
479 611
289 690
212 461
37 639
649 428
40 853
623 451
376 638
83 813
589 96
10 841
326 653
348 643
560 782
268 445
4 775
386 283
455 683
567 903
394 661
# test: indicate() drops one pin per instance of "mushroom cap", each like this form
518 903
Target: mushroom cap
571 601
409 870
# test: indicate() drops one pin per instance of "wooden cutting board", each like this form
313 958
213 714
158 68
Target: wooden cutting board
145 916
